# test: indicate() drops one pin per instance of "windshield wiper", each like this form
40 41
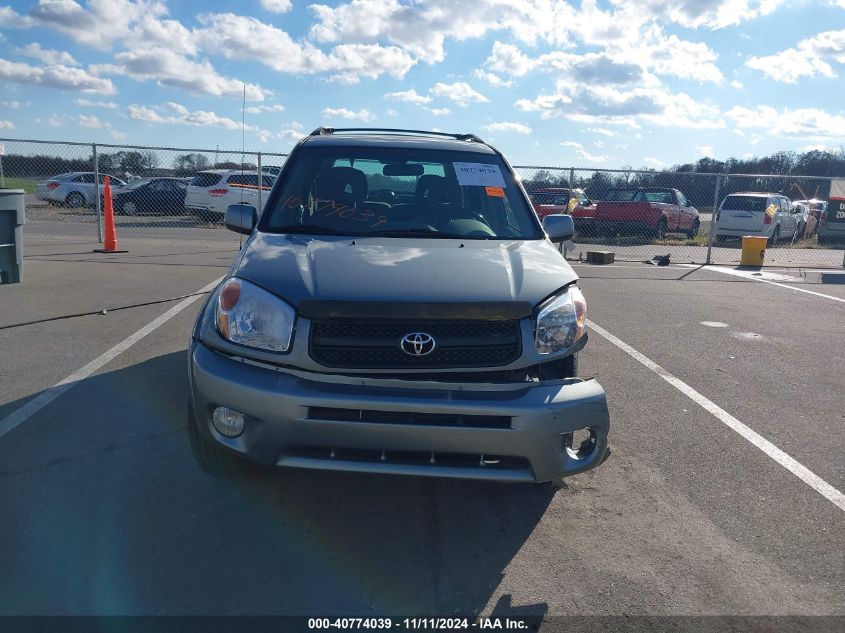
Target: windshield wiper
308 229
432 233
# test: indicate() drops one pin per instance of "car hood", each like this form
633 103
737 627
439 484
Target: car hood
391 270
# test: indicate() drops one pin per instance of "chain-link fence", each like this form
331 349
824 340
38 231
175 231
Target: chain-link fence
181 194
158 193
692 217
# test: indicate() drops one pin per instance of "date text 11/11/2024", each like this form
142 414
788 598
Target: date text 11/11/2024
419 624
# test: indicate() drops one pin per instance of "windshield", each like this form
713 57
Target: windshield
399 192
625 195
135 184
755 204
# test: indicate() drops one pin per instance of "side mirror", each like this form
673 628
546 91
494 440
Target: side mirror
559 227
241 218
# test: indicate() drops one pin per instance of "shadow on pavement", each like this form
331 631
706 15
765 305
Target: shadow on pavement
110 515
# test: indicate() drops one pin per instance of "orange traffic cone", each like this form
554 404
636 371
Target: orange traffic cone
109 230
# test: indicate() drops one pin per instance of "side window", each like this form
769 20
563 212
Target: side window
682 199
86 178
784 205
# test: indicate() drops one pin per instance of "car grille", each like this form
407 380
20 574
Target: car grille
375 344
410 418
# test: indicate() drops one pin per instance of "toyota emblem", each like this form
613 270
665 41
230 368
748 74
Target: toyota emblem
417 344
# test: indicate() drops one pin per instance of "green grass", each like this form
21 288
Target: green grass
26 184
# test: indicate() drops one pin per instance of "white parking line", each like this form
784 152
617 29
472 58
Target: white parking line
799 470
747 274
19 416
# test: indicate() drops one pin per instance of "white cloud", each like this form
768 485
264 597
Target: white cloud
292 133
654 162
492 78
809 123
265 108
622 62
6 125
11 19
47 56
101 23
62 77
601 130
460 92
57 120
607 104
705 150
172 69
711 14
11 105
408 96
583 153
508 126
439 111
812 56
89 121
422 27
736 84
117 135
183 116
87 103
508 59
276 6
343 113
239 37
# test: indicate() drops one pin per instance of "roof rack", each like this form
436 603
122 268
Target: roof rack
322 131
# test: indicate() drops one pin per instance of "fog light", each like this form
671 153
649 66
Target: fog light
580 444
227 422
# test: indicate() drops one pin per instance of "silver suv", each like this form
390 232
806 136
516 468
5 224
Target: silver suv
398 308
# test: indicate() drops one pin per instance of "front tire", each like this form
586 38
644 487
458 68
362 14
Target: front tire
212 459
660 233
696 225
773 240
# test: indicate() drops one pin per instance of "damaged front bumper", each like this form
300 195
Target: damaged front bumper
518 431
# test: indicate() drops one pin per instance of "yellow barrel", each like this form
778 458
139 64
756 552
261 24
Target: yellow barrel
753 250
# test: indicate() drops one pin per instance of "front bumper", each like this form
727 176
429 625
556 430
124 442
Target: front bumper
282 430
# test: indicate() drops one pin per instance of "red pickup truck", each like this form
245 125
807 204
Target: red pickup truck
653 211
549 200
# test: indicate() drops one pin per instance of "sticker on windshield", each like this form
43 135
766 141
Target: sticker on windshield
495 192
479 175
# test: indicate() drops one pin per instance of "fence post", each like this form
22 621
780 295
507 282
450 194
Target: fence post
713 219
260 186
97 206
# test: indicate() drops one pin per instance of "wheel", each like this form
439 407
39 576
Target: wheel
129 208
211 458
660 233
696 225
773 240
75 199
822 239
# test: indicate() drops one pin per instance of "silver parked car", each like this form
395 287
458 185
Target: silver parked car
74 189
756 213
436 334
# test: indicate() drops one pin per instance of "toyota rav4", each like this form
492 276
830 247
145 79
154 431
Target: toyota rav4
397 308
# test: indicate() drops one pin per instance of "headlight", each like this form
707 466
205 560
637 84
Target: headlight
250 316
561 322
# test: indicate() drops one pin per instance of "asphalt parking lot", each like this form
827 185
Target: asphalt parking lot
105 511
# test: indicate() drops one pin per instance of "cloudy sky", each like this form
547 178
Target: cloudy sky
551 82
